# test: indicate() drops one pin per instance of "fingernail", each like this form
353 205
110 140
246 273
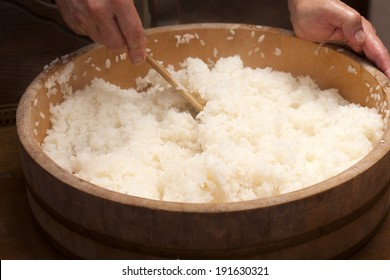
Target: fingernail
360 36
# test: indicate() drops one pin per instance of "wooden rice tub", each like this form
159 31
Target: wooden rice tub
331 219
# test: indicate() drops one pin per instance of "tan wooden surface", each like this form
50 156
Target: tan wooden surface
21 239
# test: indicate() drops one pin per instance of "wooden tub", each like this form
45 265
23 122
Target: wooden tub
331 219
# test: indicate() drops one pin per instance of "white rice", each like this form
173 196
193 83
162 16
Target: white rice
261 38
352 70
262 133
107 63
278 52
184 39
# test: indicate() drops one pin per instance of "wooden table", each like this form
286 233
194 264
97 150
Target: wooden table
21 239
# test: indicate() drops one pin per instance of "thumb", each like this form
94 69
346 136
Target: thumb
351 24
375 50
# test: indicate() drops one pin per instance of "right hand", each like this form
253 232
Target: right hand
114 23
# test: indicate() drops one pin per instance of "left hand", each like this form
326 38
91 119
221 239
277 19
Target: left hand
335 22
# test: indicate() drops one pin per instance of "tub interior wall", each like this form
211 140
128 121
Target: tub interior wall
328 65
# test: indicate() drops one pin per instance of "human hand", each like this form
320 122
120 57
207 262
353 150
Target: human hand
114 23
335 22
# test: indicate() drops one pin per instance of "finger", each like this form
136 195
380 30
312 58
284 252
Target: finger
106 25
375 50
77 17
88 27
343 23
94 34
111 34
69 16
349 22
353 29
132 30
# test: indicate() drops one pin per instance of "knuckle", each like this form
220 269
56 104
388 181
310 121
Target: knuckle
368 26
96 7
354 16
137 36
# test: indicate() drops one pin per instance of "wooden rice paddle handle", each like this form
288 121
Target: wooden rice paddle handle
196 101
